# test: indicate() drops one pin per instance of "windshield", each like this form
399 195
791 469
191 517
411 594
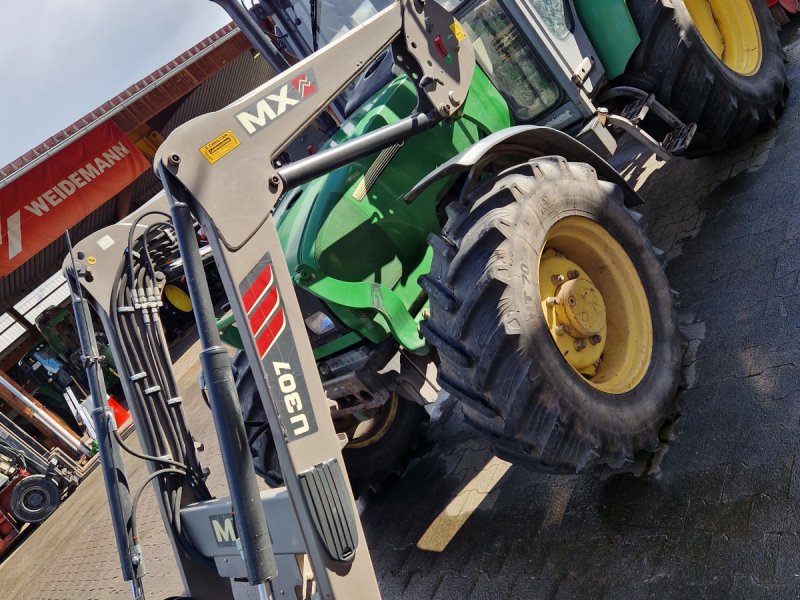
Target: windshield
337 17
554 15
334 17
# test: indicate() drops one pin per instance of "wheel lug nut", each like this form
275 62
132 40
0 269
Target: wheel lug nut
572 301
595 339
573 274
551 301
562 329
557 279
580 345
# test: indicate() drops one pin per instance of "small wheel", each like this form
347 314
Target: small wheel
553 319
716 63
35 498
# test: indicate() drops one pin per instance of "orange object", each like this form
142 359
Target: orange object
121 415
788 5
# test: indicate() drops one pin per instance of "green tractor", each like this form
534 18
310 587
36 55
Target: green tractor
515 277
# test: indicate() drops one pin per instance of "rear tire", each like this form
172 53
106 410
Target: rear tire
728 102
498 351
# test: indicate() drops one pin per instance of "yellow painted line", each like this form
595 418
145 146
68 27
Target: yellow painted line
445 526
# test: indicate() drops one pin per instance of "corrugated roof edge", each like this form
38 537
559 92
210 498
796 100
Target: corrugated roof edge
105 111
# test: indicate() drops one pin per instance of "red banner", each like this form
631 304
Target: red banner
37 207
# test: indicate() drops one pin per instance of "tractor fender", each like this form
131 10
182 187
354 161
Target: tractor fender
525 141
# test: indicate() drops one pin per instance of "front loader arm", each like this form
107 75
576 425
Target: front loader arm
222 168
226 159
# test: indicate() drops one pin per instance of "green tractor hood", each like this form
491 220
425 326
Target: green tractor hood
352 240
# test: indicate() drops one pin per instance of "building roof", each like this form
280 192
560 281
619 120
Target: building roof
142 100
206 77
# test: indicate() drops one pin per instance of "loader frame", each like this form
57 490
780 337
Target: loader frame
222 170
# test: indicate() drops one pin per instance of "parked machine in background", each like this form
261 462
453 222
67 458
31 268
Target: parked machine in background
33 480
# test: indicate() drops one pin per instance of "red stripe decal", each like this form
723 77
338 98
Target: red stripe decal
254 292
263 311
270 334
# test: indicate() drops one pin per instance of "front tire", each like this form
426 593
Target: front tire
521 379
716 63
378 446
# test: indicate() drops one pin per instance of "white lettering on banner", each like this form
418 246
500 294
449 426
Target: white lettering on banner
14 236
38 207
88 172
74 181
61 191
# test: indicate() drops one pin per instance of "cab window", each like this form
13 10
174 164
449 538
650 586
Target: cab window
554 14
510 62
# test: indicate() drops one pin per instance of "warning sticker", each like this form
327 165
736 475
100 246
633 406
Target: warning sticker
220 146
458 31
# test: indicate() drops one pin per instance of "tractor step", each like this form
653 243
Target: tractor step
636 111
629 119
327 497
676 142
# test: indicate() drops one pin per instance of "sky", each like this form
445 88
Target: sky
60 59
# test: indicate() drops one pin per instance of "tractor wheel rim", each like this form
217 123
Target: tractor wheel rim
595 305
368 432
730 29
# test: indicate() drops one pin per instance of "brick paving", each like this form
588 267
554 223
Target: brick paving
719 520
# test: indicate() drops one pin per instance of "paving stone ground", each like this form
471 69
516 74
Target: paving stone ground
721 518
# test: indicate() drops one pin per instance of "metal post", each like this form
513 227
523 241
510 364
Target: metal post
116 481
249 518
50 425
253 33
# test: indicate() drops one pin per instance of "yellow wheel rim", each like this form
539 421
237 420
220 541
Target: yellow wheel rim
730 29
365 433
178 298
595 305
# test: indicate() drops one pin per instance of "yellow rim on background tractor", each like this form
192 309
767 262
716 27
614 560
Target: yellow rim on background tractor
178 298
730 29
595 305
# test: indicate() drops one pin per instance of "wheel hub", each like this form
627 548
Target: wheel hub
369 428
575 312
581 306
595 305
34 500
